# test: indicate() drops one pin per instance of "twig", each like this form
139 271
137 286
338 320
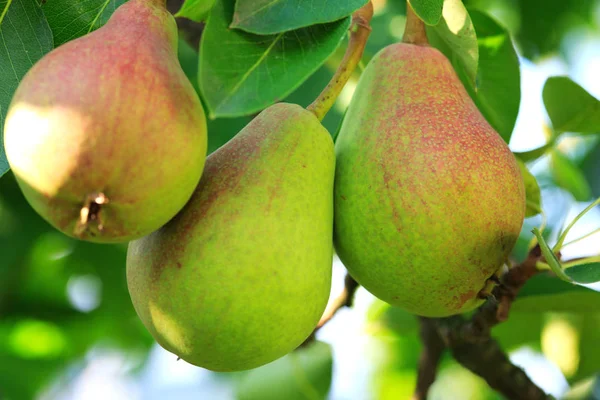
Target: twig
359 33
345 299
414 30
471 344
497 308
487 359
433 349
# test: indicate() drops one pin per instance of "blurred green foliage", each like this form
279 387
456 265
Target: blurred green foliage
61 298
303 374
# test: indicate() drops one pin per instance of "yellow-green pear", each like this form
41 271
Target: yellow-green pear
105 134
241 276
429 200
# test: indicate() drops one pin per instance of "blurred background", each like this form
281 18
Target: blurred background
68 329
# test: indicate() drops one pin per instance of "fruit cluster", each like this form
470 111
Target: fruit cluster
229 261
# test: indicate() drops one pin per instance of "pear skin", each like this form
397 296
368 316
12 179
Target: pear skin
105 134
429 200
241 276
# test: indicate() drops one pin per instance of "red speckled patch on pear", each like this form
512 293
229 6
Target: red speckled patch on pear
100 78
414 135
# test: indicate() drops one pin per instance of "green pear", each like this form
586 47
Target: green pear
105 134
241 276
429 200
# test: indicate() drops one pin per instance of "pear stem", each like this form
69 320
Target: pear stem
414 31
359 33
158 3
345 299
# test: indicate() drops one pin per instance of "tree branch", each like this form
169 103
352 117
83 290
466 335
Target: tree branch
487 359
345 299
471 344
431 354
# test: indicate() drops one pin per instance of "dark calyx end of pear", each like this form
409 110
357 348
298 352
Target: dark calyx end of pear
490 284
91 213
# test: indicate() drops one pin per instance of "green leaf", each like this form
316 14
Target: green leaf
25 38
70 19
570 107
543 24
196 10
497 88
266 17
456 30
568 176
545 292
304 374
398 320
565 232
430 11
590 165
584 389
550 257
241 73
532 191
519 329
23 379
534 154
584 273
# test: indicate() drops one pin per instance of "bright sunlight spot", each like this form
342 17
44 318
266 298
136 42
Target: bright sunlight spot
85 292
560 343
37 339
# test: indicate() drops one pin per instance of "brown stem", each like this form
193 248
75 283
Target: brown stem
471 344
158 3
359 33
414 31
488 360
345 299
431 354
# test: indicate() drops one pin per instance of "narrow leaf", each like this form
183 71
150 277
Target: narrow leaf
241 73
26 37
563 235
551 257
266 17
570 107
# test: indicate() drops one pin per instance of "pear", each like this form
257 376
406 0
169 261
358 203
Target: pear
241 276
105 134
429 200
